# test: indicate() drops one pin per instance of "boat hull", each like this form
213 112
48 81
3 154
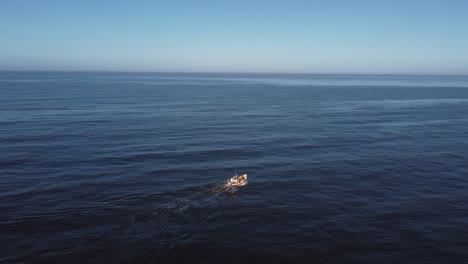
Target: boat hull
237 181
237 184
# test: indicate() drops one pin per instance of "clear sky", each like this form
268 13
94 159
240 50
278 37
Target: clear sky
348 36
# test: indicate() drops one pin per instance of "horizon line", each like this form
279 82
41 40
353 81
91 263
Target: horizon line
241 73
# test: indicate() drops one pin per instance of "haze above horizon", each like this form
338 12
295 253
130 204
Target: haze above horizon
376 37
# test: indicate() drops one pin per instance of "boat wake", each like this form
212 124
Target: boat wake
144 223
199 198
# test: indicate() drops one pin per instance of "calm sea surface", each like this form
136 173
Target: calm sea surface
129 168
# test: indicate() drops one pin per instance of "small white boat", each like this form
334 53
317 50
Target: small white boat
237 180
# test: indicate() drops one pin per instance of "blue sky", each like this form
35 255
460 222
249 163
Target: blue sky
360 36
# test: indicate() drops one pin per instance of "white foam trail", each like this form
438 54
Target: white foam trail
198 199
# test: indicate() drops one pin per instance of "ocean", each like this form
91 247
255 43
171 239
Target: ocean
130 168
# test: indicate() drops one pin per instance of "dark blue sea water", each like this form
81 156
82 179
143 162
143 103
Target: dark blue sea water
129 168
